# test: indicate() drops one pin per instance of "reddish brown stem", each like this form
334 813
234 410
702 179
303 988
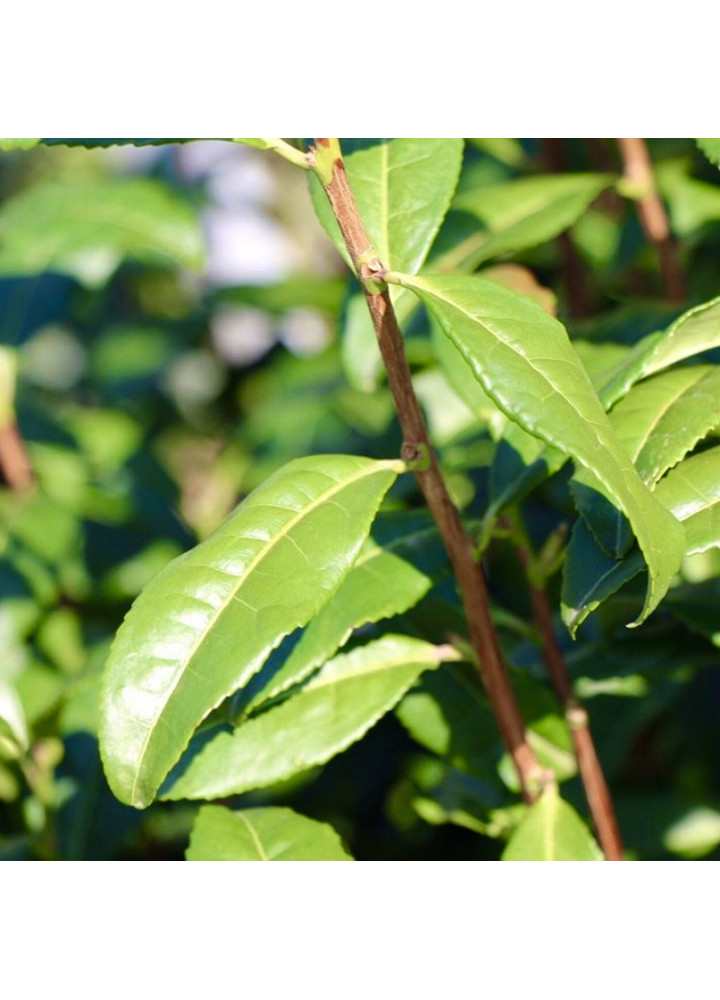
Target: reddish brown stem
591 773
416 446
14 461
638 173
574 280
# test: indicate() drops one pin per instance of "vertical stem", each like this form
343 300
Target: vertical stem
14 461
330 169
640 179
571 265
596 789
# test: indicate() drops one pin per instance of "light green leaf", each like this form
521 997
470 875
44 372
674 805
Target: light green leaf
271 834
524 213
85 228
382 583
403 189
692 333
208 621
691 491
14 738
331 712
523 359
552 831
8 145
663 418
711 149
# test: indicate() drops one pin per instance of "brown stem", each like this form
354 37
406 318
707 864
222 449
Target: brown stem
596 789
638 173
416 445
571 265
14 461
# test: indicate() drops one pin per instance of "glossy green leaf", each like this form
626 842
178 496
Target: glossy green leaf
208 621
524 213
692 333
270 834
335 708
663 418
385 581
85 228
14 738
711 149
403 189
462 380
523 359
552 831
691 491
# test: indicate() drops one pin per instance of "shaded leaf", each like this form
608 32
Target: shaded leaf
552 831
523 359
524 213
207 622
331 712
403 189
691 491
85 228
271 834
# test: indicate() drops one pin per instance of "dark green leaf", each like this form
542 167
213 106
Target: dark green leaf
272 834
208 621
552 831
523 359
331 712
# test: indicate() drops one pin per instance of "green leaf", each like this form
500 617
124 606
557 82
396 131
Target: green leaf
403 189
552 831
272 834
14 738
691 491
8 145
663 418
104 143
331 712
692 333
523 359
382 583
711 149
209 620
524 213
85 228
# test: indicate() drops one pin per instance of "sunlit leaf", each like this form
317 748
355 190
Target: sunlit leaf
523 359
208 621
271 834
711 149
331 712
552 831
14 738
403 189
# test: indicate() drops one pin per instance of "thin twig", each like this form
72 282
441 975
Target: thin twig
571 266
640 183
14 461
591 773
417 447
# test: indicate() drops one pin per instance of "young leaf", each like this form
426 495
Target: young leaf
85 228
524 213
207 622
403 189
271 834
523 359
332 711
552 831
383 582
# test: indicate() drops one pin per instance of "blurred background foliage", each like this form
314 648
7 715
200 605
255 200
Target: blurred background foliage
174 317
